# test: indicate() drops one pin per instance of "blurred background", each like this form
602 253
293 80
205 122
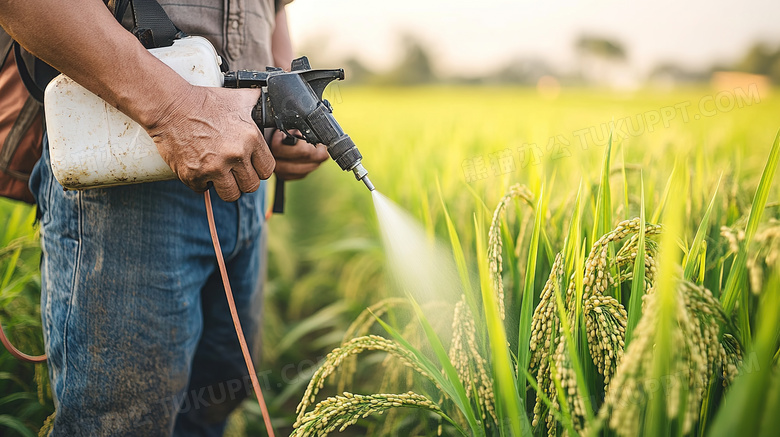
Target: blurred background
623 45
451 102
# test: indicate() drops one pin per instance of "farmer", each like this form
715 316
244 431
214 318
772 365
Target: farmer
137 328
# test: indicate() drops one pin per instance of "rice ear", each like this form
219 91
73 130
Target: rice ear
336 413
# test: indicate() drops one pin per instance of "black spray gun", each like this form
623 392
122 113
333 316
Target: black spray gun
293 100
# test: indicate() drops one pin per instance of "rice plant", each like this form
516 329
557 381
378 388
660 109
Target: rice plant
624 337
326 266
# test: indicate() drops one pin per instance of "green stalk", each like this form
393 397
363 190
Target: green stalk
582 382
511 410
656 420
526 308
564 419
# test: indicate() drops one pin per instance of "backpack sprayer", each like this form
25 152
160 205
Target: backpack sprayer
92 144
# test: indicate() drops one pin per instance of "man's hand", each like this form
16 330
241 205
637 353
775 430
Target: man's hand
295 162
208 135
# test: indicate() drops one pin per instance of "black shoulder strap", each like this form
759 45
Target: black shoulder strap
153 27
32 86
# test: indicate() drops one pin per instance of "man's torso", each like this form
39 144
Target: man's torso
240 30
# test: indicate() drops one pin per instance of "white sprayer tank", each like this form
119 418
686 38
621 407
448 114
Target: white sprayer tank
92 144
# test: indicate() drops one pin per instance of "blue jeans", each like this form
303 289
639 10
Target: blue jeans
136 324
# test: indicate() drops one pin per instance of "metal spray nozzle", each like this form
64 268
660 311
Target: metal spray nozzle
361 174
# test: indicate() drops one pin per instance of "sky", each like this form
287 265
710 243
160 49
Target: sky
479 36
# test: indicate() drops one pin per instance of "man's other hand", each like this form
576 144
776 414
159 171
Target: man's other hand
208 135
296 161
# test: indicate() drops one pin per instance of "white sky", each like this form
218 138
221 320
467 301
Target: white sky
482 35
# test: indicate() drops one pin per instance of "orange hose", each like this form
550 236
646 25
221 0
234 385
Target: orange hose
232 304
19 355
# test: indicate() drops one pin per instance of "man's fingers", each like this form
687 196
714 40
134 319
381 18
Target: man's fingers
302 151
295 170
263 162
246 177
227 188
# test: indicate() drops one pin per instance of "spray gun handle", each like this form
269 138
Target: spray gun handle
293 100
289 99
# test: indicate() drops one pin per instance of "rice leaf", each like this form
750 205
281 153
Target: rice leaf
625 179
638 283
574 232
665 196
526 307
771 421
656 421
511 411
457 252
698 240
477 198
16 425
13 225
444 361
602 221
748 405
16 396
451 385
9 270
326 317
736 289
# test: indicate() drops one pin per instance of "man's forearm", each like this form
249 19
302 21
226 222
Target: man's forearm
281 47
82 39
206 135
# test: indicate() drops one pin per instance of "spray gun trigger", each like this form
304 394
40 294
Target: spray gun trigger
289 139
289 136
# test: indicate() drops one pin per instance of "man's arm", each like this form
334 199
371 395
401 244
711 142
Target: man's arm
292 162
204 134
281 46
